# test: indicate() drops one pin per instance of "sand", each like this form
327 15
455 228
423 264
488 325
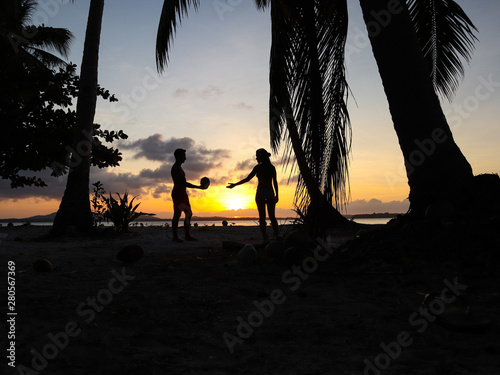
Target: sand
193 308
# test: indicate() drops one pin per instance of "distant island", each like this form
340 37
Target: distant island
375 215
50 218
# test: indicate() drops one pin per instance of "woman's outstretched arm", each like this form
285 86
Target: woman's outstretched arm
231 185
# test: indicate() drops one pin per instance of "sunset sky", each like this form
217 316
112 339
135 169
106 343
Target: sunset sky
213 101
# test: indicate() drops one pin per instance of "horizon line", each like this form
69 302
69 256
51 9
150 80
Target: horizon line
47 218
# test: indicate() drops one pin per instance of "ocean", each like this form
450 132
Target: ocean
217 223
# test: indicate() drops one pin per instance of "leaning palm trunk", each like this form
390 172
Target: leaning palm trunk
307 104
74 209
435 166
320 211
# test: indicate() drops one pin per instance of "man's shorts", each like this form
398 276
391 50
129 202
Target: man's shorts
180 199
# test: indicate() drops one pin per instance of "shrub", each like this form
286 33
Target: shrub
120 212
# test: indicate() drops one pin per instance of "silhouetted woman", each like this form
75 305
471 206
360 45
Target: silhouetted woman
267 190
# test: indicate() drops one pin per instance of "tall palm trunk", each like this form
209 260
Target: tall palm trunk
435 166
74 209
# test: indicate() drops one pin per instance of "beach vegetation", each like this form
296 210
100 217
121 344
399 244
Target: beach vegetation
98 204
36 104
121 212
40 122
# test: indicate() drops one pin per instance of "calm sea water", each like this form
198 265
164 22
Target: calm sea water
373 220
217 223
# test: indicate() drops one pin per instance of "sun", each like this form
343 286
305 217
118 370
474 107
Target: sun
237 202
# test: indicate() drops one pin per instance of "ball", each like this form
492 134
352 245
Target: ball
205 182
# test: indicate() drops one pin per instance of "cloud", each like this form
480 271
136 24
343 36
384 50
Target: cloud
179 93
54 190
242 105
211 91
200 162
161 191
242 169
362 206
155 148
155 181
162 173
245 165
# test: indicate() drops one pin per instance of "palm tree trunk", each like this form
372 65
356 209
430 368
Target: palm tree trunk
320 211
74 209
435 166
324 215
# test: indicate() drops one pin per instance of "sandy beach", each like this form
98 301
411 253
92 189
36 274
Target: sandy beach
193 307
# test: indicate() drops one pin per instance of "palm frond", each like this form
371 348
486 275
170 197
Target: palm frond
307 71
262 4
171 15
447 38
20 36
46 59
50 38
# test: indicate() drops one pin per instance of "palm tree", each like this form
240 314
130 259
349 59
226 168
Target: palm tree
308 102
27 50
27 45
418 54
74 209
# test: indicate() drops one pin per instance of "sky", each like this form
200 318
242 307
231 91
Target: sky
212 100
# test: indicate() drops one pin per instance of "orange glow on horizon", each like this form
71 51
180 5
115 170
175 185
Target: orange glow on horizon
209 202
27 207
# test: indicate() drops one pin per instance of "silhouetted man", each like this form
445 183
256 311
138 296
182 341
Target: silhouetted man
180 197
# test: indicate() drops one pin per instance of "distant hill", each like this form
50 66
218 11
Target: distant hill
32 219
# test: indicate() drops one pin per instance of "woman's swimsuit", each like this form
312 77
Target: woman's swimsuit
265 193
